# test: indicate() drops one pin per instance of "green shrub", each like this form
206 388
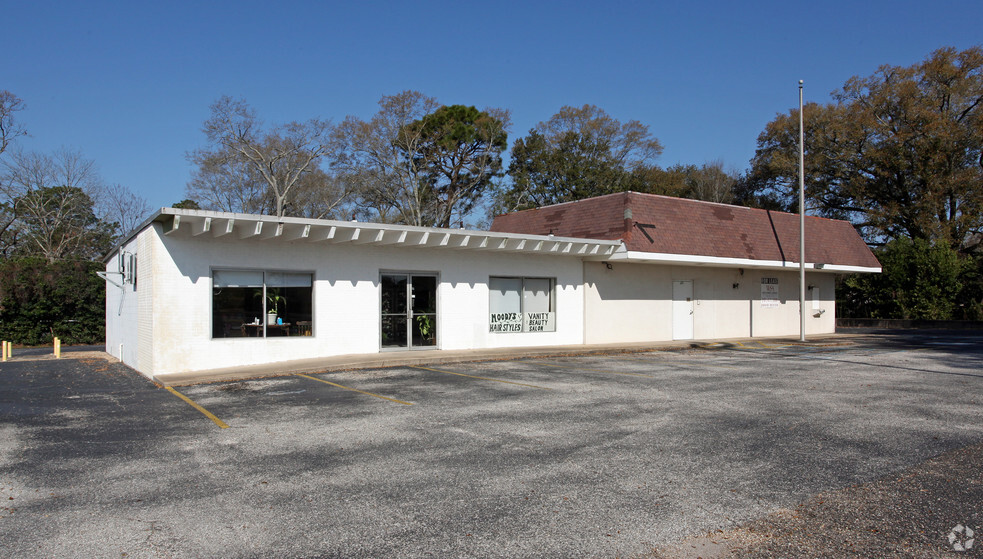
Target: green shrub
41 300
918 280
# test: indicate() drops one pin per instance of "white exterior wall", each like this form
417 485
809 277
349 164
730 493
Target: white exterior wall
165 324
148 249
633 302
628 303
784 320
122 310
346 298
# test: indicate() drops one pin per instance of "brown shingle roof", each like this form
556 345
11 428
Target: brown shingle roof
661 224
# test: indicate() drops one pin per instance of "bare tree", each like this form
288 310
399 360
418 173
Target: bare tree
48 203
49 206
226 183
281 156
119 206
711 183
371 156
9 128
320 195
418 162
229 184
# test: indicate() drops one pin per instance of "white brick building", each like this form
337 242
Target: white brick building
192 290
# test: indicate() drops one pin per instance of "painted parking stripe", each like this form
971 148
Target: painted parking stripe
357 390
195 405
579 368
480 378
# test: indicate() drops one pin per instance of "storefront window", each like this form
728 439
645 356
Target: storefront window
521 305
261 304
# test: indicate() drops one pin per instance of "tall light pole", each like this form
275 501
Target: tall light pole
802 225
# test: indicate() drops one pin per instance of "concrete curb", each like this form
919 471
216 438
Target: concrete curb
438 357
78 355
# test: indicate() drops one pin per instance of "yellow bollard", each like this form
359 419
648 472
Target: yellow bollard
57 348
5 351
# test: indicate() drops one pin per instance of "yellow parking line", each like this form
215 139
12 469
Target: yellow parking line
195 405
558 366
357 390
480 378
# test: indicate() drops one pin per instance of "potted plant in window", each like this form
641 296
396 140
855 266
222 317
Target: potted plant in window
424 324
273 301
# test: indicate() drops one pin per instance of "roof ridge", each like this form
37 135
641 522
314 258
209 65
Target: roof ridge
629 195
622 193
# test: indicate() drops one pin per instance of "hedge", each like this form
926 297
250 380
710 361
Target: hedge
40 300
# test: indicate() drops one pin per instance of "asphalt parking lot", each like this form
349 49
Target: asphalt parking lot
620 455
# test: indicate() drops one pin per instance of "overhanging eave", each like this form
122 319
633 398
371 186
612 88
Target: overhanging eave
639 257
207 225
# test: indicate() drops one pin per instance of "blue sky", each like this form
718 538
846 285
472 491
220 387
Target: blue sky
129 83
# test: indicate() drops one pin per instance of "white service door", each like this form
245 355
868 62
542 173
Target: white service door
682 310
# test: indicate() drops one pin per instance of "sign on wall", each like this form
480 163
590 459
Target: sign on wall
540 321
505 322
522 322
769 293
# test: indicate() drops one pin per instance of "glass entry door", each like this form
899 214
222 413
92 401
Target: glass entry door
409 311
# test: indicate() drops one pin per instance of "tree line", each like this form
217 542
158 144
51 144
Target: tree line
419 162
897 153
57 217
56 205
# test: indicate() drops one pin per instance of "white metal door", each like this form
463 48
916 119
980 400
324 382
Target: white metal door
682 310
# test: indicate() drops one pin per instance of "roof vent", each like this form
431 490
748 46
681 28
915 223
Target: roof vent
627 213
